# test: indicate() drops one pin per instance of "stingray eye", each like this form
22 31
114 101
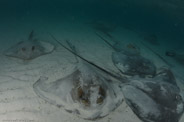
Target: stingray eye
80 92
23 49
178 97
102 95
131 46
83 97
33 48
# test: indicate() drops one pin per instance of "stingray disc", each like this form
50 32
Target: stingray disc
155 100
27 50
83 92
133 64
129 49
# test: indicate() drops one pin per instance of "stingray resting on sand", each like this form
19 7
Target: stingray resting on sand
151 38
178 56
89 92
29 49
155 99
128 60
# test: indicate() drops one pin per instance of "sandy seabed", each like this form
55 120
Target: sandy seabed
18 101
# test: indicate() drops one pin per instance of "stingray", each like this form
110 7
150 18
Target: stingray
29 49
152 39
89 92
178 56
104 27
155 99
128 60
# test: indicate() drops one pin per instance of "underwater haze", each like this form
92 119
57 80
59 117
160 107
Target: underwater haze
160 17
92 60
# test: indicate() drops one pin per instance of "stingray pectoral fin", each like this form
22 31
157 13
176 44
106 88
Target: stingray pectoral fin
56 92
13 50
120 62
39 88
8 53
141 104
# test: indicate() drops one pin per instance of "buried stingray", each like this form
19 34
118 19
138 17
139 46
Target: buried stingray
152 39
29 49
155 99
178 56
128 60
104 27
90 91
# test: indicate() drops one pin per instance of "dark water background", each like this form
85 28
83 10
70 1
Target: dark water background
160 17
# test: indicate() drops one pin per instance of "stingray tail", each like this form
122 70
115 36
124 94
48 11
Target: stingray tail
108 34
119 78
107 42
72 47
165 61
31 35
